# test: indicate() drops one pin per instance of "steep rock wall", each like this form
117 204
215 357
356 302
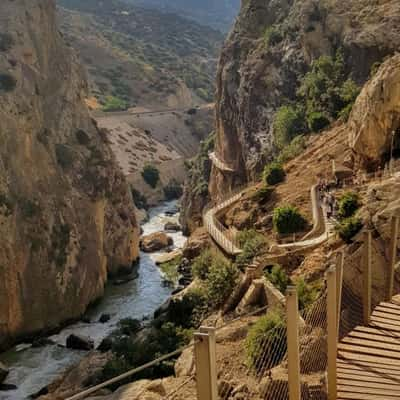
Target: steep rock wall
374 126
66 214
254 79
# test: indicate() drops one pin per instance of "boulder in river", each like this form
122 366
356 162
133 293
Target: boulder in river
172 227
4 371
78 342
155 242
104 318
6 387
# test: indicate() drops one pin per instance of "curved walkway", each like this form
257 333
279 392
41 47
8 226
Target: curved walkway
221 165
226 239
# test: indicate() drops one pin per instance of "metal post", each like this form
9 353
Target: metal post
202 357
212 350
293 346
394 233
339 283
332 332
367 276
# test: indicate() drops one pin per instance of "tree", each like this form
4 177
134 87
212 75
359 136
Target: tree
151 175
287 219
274 173
288 123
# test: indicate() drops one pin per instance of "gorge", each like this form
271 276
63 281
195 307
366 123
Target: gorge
298 174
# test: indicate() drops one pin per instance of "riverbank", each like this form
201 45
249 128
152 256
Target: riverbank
31 369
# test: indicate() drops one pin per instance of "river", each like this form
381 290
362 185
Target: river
34 368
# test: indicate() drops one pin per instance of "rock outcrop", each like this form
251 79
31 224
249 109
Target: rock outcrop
374 126
155 242
256 77
66 214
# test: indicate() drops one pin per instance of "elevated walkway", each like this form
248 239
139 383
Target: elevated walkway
368 363
221 165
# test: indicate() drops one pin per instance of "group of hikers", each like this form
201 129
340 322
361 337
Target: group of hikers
326 198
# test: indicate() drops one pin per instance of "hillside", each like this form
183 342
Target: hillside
219 14
67 220
141 56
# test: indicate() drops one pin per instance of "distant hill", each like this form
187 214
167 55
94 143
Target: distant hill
219 14
141 56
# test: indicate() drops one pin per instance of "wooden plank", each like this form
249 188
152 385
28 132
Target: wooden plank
372 351
389 369
389 316
371 336
372 343
386 320
366 376
383 325
373 359
360 396
390 305
377 331
365 390
388 310
370 385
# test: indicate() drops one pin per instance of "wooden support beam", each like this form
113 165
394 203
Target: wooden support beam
332 332
367 276
212 349
293 343
394 233
339 283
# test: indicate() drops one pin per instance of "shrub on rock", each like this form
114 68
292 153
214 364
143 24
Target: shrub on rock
151 175
287 220
274 174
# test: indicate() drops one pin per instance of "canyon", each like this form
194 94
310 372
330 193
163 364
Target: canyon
307 117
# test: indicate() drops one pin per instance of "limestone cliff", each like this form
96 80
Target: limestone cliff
66 215
374 124
256 77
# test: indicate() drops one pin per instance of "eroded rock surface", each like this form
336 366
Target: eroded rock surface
375 119
66 215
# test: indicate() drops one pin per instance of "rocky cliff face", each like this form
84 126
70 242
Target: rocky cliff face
256 77
66 216
374 124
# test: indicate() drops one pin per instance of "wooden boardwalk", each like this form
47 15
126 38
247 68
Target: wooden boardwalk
369 357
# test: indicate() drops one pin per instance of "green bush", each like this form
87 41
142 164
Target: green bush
170 270
349 203
326 91
288 123
317 121
278 277
292 150
307 294
252 244
263 194
264 341
188 311
273 173
140 200
128 326
348 228
151 175
173 190
287 219
7 83
221 279
201 265
113 103
272 36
